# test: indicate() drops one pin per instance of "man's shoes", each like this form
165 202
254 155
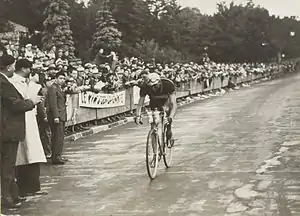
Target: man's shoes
37 193
20 199
49 161
10 204
64 159
58 162
171 143
48 158
41 193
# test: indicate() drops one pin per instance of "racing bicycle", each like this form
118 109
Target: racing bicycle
158 145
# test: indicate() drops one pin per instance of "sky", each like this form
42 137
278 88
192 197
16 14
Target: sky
276 7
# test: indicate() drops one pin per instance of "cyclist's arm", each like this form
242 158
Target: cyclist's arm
139 106
173 105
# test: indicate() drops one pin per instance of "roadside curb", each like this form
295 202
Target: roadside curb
188 100
98 129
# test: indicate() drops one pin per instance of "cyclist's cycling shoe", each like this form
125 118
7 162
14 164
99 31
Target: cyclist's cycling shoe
171 143
170 139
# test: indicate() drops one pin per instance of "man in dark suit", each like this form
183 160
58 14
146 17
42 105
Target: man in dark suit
57 116
12 128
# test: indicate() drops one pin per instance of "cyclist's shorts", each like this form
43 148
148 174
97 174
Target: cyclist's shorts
166 107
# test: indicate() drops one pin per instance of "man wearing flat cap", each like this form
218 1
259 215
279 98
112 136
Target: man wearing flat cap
12 128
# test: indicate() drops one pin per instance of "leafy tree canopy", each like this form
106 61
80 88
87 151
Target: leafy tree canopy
234 33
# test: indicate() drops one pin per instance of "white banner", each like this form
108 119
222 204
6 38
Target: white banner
136 95
101 100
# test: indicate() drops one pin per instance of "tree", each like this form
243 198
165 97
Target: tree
279 36
28 13
57 27
133 20
148 50
239 32
5 26
190 26
186 30
106 36
157 7
78 24
166 29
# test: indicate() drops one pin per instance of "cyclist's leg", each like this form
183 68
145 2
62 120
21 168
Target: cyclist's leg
169 132
169 135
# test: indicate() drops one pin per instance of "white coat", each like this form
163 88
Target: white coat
30 150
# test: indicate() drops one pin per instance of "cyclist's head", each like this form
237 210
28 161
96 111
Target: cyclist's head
153 80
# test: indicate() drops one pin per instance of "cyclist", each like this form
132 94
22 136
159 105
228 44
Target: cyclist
161 92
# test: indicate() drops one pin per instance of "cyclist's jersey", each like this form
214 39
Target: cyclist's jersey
160 98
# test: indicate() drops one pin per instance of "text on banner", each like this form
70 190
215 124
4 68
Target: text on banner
100 100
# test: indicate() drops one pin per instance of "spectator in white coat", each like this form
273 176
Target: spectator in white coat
30 152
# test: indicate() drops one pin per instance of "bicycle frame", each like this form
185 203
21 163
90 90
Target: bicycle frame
158 122
156 119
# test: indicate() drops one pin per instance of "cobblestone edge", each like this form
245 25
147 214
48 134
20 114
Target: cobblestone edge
188 100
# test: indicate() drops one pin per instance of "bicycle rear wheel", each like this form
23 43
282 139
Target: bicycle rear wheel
152 154
167 149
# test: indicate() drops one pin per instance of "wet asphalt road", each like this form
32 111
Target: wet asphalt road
236 155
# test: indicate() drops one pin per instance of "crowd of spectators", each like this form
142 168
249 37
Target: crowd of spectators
108 74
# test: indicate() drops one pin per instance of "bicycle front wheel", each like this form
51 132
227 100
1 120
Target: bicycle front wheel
167 149
152 154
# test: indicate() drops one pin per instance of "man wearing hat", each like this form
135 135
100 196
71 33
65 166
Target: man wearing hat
88 65
13 108
161 92
28 52
94 69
